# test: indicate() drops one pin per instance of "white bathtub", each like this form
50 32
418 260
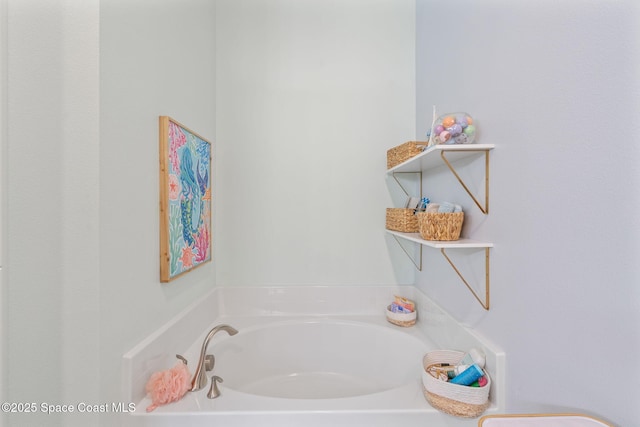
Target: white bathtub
327 367
318 359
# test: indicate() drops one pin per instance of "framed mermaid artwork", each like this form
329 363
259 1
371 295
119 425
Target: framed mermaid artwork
185 200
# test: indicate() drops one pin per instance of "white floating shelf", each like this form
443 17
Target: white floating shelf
431 157
446 155
439 244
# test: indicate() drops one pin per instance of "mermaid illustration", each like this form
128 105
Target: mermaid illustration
191 203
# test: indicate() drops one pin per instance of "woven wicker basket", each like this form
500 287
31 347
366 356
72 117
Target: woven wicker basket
453 399
403 152
440 225
401 319
401 219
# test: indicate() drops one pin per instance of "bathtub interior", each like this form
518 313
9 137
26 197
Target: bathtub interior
318 359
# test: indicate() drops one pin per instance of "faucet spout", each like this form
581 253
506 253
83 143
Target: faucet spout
199 380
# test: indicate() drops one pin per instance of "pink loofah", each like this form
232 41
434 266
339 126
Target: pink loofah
168 386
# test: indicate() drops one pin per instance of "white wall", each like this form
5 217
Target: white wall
156 58
86 83
3 138
555 86
310 95
51 256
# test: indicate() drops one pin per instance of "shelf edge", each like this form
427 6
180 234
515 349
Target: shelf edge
460 244
439 148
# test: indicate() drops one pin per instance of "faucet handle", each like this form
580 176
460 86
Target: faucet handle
178 356
209 362
214 391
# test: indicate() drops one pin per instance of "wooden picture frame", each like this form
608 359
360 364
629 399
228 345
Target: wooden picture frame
185 199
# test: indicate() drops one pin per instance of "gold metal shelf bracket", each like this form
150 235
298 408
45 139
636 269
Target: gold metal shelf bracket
484 209
486 301
417 264
402 187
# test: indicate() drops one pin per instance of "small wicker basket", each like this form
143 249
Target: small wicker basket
401 319
401 219
403 152
453 399
440 225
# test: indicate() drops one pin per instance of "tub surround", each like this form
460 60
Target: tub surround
250 308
